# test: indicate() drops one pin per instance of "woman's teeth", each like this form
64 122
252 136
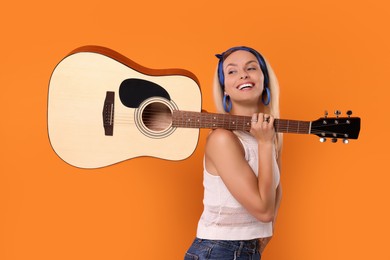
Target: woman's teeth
246 85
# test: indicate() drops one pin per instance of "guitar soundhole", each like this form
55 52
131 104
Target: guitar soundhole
154 117
157 117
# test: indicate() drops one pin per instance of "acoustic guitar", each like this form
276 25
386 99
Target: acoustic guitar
104 108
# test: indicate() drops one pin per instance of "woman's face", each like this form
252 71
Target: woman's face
243 76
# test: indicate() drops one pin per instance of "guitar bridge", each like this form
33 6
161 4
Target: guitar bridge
108 113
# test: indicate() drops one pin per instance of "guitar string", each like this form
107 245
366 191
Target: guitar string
162 125
154 118
167 111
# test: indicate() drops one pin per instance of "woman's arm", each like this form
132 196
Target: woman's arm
225 157
264 241
279 191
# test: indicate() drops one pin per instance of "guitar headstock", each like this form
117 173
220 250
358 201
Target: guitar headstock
344 128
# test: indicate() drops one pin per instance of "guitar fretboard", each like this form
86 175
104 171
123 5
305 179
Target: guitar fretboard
189 119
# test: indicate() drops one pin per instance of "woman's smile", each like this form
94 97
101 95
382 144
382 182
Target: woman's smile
245 86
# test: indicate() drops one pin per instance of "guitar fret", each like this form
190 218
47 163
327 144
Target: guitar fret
277 125
292 126
188 119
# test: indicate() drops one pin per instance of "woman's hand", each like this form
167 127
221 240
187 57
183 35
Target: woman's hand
262 128
263 243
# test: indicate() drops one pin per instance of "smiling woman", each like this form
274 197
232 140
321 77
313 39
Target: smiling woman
242 189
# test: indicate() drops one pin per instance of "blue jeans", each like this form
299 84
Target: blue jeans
202 249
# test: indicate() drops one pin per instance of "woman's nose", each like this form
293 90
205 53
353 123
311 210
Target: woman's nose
244 75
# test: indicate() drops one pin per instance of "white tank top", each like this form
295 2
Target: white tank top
223 217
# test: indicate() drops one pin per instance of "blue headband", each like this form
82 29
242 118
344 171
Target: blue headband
260 59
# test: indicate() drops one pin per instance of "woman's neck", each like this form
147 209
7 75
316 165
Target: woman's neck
246 110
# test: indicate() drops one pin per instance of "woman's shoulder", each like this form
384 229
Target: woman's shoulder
222 139
221 135
222 148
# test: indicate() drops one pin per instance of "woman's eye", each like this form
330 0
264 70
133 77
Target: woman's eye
252 68
231 71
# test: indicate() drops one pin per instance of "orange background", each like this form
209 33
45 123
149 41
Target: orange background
327 55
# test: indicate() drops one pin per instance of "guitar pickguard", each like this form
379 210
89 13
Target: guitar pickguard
134 91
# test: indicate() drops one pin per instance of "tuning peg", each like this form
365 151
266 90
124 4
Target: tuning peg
345 141
349 113
326 115
337 113
322 139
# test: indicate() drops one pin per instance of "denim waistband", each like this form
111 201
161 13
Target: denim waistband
248 246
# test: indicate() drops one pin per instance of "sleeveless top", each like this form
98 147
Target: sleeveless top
223 217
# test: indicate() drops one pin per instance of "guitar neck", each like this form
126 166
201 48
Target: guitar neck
189 119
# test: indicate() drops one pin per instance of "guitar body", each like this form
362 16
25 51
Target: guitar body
98 103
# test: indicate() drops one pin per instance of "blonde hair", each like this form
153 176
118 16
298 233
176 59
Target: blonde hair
272 109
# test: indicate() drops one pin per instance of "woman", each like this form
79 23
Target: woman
242 188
